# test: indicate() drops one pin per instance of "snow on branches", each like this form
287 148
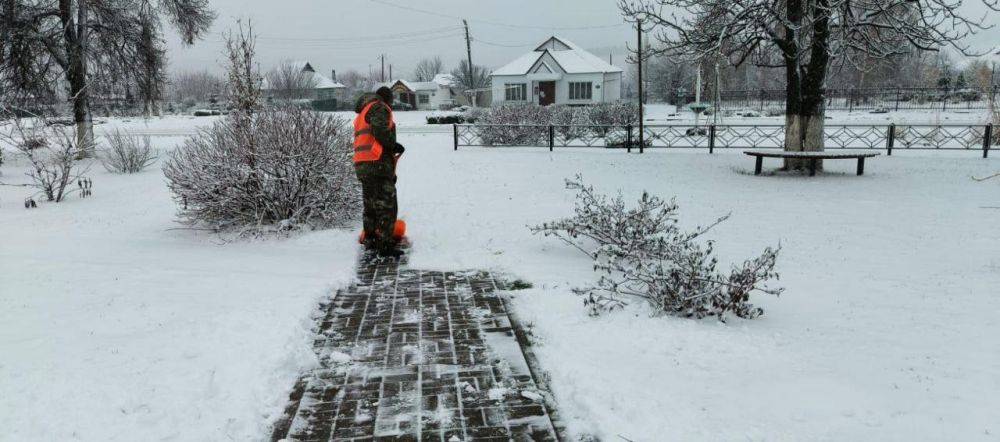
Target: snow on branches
521 124
284 166
264 166
52 152
126 152
641 253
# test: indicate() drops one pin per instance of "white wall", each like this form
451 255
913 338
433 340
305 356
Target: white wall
606 88
442 97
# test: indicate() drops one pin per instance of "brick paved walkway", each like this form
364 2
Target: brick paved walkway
416 355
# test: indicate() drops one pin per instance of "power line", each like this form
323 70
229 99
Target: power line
364 39
502 45
493 23
351 45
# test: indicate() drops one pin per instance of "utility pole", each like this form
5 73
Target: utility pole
383 68
390 71
642 96
468 53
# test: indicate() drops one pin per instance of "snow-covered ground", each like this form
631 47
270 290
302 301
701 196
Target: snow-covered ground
114 327
887 330
416 121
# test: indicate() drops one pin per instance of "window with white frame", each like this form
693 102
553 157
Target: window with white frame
580 90
515 92
423 98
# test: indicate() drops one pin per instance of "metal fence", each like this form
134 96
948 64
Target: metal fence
887 137
850 99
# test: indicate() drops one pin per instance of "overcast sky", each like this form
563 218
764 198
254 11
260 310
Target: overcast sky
352 34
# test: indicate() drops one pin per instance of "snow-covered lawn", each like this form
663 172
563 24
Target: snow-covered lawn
114 327
887 331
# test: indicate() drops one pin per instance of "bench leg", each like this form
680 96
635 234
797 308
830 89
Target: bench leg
812 167
760 165
861 166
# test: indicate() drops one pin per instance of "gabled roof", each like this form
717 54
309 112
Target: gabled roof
320 81
439 81
571 58
324 82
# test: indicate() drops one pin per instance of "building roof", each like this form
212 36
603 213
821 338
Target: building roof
439 81
570 57
321 81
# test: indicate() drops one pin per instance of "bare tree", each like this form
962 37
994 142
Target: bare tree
83 40
480 76
358 82
244 81
427 68
196 86
288 81
809 36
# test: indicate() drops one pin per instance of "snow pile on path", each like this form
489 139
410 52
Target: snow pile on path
115 327
887 330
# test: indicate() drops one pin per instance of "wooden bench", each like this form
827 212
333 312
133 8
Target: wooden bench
812 157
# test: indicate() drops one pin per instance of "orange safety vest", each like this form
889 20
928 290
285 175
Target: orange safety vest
366 147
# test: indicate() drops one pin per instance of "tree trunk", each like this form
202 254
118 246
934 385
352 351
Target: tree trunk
804 122
75 40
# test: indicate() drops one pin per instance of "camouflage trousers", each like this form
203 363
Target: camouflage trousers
378 188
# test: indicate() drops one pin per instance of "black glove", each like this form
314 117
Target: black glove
400 149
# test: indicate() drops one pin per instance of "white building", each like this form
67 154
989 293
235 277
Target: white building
438 93
557 72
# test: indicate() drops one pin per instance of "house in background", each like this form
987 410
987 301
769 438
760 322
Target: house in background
557 72
438 93
321 87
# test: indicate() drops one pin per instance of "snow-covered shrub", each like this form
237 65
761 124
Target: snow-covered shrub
474 114
52 152
514 125
614 114
445 118
126 153
499 125
562 118
641 253
278 166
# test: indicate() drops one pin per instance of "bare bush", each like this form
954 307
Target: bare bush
279 166
513 124
126 153
641 253
52 151
522 124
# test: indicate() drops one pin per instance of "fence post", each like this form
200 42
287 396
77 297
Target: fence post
642 137
552 137
987 139
891 138
897 106
454 128
944 100
628 138
711 138
761 101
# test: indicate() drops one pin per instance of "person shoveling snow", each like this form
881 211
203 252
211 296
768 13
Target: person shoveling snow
376 153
